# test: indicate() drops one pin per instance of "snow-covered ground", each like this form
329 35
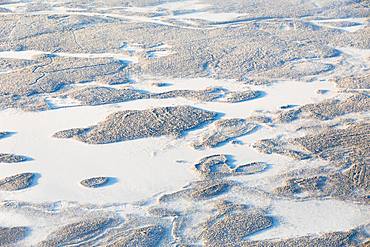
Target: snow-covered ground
143 167
31 55
143 170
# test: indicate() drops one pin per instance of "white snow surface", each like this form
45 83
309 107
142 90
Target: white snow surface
143 167
146 168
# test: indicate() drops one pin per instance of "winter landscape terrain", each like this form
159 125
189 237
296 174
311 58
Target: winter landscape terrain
184 123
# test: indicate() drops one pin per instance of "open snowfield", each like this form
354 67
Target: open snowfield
184 123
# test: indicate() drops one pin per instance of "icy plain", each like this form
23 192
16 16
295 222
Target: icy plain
184 123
